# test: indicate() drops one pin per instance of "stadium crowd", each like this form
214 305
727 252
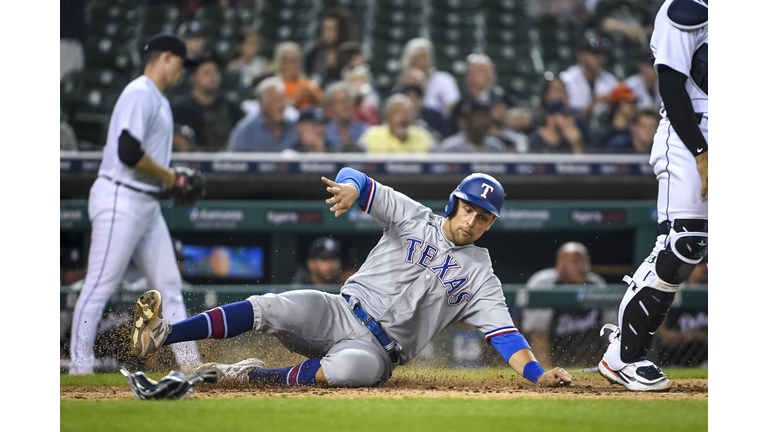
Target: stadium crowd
323 96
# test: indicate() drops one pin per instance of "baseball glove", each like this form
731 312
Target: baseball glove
176 385
188 188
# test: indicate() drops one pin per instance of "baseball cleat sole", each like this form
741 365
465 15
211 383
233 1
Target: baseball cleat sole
148 308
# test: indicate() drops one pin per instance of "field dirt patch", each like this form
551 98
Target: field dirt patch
414 386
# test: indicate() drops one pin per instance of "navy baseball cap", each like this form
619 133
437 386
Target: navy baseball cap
170 42
325 248
312 114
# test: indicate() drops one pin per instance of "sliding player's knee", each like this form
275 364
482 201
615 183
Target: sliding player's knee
353 368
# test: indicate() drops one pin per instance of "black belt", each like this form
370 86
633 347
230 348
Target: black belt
155 195
368 321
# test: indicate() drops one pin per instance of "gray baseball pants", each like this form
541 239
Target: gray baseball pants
321 325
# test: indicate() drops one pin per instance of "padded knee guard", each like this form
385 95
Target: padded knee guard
687 244
641 317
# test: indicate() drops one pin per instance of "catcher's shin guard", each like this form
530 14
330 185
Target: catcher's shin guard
653 286
640 315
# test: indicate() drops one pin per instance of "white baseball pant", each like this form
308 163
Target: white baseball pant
125 224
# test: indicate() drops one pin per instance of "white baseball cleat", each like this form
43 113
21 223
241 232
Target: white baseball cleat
149 330
638 376
235 372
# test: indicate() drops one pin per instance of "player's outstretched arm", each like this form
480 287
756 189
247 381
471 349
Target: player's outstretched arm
524 363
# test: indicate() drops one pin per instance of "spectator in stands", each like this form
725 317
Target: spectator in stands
426 117
323 265
310 129
268 131
559 133
248 63
572 267
366 99
517 123
587 84
639 139
350 53
441 91
398 134
209 114
623 103
645 84
300 90
500 103
322 62
474 137
73 31
553 89
478 82
194 37
343 130
252 107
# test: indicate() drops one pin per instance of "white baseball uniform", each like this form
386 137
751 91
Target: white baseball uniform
126 223
674 165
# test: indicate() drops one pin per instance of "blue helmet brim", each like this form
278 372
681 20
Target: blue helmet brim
474 200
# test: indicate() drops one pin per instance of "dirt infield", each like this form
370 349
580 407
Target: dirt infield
588 386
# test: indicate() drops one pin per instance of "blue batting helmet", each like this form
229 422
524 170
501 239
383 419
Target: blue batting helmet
480 189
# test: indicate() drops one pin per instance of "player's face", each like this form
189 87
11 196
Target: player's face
176 68
468 223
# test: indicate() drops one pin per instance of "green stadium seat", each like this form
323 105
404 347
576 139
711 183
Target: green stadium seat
105 53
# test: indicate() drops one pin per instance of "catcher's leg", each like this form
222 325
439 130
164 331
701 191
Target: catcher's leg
653 287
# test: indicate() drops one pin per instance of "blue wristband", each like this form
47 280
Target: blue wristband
533 371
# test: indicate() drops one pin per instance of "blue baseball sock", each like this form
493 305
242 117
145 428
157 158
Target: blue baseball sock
300 375
219 323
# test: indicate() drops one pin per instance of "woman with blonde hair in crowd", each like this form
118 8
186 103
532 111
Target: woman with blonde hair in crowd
299 90
441 91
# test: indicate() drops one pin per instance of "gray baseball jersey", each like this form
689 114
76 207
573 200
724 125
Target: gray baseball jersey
416 282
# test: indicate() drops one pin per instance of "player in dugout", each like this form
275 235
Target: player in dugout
424 274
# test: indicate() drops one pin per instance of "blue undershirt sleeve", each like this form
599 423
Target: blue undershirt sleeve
359 180
509 343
